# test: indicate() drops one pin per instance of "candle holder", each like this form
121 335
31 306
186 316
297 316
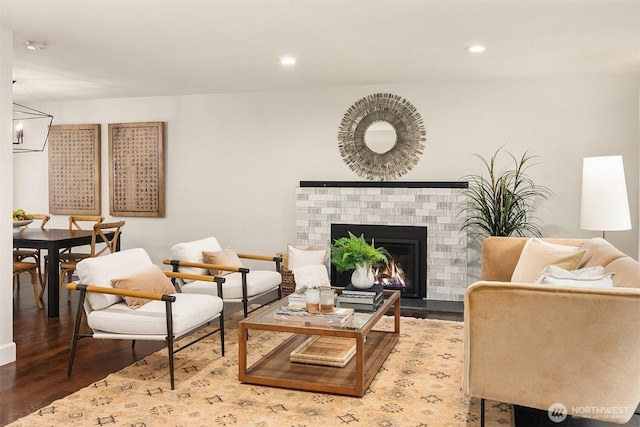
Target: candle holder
313 299
327 299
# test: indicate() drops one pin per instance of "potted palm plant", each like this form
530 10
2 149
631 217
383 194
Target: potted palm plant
503 204
355 253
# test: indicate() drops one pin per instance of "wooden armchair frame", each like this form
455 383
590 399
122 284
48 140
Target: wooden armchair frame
168 299
243 270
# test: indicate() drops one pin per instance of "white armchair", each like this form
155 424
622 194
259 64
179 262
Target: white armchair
242 285
125 296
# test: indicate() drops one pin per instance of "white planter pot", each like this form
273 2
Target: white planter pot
362 277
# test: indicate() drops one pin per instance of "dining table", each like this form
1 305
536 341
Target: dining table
53 240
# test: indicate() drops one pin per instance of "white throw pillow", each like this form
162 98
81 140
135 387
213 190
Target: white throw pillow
311 275
591 277
300 257
538 254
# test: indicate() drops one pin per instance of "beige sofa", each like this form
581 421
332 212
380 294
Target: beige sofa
541 345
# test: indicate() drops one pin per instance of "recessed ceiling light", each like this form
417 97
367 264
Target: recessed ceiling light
288 60
36 45
475 49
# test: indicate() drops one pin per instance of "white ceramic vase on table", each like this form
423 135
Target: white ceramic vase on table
362 276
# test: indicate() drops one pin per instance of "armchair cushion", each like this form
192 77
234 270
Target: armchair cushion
187 311
192 251
537 255
150 280
226 257
258 282
98 271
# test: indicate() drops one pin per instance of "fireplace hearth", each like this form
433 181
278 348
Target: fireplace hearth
407 245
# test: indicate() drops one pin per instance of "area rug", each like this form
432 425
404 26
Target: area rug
418 385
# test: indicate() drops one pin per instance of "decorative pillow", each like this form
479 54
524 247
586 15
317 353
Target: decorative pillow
300 257
311 276
537 255
590 277
150 280
226 257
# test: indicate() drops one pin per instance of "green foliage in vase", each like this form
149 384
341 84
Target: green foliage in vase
347 252
502 204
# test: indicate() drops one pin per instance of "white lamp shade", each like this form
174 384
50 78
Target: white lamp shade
605 206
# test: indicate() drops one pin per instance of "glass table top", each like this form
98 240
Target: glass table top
275 314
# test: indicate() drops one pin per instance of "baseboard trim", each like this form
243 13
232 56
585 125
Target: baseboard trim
7 353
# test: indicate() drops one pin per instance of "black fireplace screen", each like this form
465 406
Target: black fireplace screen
407 269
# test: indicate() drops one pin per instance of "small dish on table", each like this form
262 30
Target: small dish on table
19 224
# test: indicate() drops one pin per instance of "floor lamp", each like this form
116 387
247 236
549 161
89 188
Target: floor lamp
605 206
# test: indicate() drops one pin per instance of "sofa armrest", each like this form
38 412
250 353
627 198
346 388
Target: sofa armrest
535 345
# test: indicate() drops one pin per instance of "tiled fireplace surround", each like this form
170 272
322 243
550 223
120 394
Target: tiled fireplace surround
432 204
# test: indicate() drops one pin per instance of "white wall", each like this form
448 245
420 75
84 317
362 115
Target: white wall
7 346
234 160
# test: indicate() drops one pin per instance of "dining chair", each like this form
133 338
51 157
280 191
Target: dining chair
79 222
31 268
36 254
98 237
76 222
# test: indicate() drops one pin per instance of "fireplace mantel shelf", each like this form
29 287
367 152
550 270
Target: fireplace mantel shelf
386 184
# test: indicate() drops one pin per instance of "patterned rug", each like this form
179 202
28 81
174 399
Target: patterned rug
418 385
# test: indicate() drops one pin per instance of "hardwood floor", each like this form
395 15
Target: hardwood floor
39 376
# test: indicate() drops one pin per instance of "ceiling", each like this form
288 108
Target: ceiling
128 48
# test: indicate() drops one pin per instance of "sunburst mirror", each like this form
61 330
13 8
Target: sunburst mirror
381 137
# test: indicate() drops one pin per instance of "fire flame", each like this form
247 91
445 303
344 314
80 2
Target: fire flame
392 276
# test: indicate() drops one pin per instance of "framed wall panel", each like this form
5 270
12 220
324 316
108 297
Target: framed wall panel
136 169
74 169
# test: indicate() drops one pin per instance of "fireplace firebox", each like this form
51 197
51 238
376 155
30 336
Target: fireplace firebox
407 269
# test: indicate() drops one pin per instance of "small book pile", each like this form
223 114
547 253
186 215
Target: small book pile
361 299
298 299
338 317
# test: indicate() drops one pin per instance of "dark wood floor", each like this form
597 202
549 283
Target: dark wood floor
39 376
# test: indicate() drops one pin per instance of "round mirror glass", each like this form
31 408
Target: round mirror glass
380 137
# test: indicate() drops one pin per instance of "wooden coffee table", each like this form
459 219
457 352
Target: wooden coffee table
276 370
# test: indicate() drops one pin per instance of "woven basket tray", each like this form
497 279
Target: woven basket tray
321 350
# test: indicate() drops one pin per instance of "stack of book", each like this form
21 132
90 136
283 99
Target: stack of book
339 317
361 299
297 299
